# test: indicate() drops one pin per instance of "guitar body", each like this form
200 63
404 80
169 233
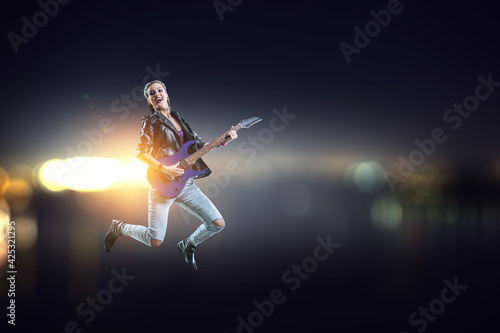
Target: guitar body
172 188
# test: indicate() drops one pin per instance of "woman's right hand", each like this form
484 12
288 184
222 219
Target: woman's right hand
172 171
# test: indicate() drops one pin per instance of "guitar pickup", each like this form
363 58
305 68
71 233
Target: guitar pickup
184 164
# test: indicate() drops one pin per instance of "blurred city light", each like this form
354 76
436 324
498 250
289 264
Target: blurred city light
369 177
26 232
4 181
386 213
91 174
19 193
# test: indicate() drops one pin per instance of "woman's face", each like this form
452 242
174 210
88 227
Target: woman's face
157 96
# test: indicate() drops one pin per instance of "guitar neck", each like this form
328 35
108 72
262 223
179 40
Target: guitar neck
208 147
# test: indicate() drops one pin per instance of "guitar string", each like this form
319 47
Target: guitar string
195 156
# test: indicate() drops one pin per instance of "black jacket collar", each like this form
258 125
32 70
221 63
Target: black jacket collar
188 135
165 120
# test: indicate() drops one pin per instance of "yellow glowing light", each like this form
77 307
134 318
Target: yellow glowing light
92 174
79 173
135 172
20 187
19 194
4 222
49 175
4 181
20 171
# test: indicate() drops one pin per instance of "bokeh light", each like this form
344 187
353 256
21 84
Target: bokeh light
369 177
4 221
26 232
49 177
80 173
19 194
386 213
425 183
89 174
4 181
20 171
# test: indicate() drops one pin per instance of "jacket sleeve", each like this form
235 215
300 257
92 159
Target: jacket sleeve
146 137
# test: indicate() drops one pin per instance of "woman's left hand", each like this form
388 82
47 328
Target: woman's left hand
231 135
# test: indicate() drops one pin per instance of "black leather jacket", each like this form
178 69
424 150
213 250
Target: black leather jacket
160 139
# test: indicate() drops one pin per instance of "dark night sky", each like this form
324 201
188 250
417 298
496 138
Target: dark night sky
264 55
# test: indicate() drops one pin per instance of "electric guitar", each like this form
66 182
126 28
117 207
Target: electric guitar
171 188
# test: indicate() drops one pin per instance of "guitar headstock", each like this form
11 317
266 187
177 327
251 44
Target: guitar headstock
246 123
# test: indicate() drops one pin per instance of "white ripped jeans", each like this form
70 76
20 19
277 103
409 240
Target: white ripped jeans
191 199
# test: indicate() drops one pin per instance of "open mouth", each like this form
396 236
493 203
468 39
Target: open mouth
159 99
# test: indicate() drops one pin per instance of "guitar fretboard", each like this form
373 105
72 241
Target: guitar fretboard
208 147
